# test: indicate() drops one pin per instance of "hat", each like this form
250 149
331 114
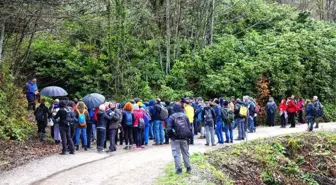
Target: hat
140 104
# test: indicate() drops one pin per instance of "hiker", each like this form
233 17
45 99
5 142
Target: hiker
30 95
300 106
102 123
157 123
179 130
64 125
218 121
208 118
291 110
147 124
127 123
138 125
251 110
271 109
228 118
190 113
283 113
113 125
82 116
89 127
240 113
309 112
41 116
54 129
318 108
151 105
36 92
121 129
169 107
257 110
232 106
198 117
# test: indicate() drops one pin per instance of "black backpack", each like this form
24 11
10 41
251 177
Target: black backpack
40 115
182 129
208 118
69 117
224 115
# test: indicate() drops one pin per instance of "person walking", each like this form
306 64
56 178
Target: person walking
54 129
113 125
218 121
309 111
240 113
65 117
147 124
318 107
127 124
283 113
300 105
41 116
208 118
228 118
291 110
179 131
271 109
82 115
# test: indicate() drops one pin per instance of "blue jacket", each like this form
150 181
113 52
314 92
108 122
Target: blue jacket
30 90
252 109
218 113
198 112
309 110
154 110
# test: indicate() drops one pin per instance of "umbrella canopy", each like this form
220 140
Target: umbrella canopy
53 91
93 100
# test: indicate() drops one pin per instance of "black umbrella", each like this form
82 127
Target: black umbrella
53 91
93 100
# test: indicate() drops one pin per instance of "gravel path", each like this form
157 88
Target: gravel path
124 167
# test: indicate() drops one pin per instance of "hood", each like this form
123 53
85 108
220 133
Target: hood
151 102
177 108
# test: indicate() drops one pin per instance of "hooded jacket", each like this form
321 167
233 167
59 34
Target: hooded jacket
271 107
103 119
292 107
116 118
178 111
155 110
213 116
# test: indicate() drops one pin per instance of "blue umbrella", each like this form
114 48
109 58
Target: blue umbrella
93 100
53 91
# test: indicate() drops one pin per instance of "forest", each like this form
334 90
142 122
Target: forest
168 49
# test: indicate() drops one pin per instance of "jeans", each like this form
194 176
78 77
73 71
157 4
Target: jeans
178 147
78 133
146 134
251 124
151 129
158 132
228 131
89 132
94 129
137 132
241 128
128 131
101 137
219 133
310 122
66 139
112 137
209 130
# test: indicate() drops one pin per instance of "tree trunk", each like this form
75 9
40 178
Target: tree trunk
168 36
205 25
2 36
212 21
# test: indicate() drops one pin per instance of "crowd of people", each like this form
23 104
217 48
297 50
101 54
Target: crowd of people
135 123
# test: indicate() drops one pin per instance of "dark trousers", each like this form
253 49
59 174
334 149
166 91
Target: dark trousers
31 103
137 135
301 116
270 119
112 137
128 131
195 127
121 137
41 128
291 119
283 121
66 139
101 137
52 130
89 133
166 136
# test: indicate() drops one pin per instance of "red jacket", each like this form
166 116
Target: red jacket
283 107
300 105
292 107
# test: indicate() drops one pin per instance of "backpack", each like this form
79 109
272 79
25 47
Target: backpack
230 115
163 113
40 115
69 118
81 118
129 118
138 114
320 112
182 129
208 117
224 115
243 111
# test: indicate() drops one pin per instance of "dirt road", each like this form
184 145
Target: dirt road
124 167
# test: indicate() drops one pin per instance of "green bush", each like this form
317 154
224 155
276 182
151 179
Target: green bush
329 112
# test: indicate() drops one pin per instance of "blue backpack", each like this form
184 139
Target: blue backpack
129 119
81 118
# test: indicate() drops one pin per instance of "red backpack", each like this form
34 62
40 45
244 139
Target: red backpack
137 114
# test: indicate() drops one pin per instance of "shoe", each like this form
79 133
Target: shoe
207 144
161 143
155 144
243 138
316 127
109 151
77 147
189 170
142 147
214 145
226 141
231 141
63 153
126 147
85 148
72 152
179 172
166 143
238 139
